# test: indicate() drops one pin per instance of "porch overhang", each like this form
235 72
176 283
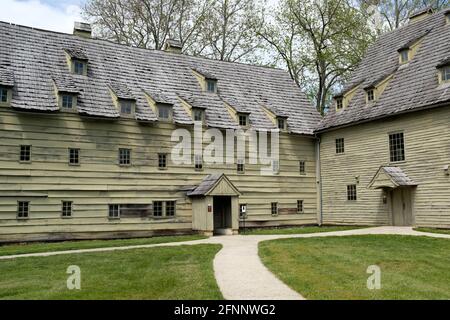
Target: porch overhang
390 178
215 185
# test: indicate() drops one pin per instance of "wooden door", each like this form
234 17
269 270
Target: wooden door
401 207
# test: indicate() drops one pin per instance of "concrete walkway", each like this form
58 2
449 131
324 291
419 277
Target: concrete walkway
239 272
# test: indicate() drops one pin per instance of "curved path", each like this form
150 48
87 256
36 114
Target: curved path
238 269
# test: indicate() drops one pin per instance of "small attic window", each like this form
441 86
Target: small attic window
445 74
164 113
281 123
67 101
198 115
243 120
3 95
79 67
211 86
339 103
404 56
126 107
370 95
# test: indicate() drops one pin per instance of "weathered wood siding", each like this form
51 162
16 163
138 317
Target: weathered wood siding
427 147
99 181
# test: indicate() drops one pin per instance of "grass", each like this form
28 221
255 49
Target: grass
335 267
170 273
297 230
432 230
7 250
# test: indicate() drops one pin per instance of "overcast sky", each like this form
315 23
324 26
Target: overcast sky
56 15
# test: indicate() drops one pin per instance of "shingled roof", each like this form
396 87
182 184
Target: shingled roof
413 86
37 61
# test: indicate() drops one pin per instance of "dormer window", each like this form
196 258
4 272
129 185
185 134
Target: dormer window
79 67
211 86
198 114
243 120
281 123
370 95
67 101
164 113
339 103
3 95
404 56
126 107
445 74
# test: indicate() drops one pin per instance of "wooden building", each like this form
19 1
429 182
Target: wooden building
86 139
385 145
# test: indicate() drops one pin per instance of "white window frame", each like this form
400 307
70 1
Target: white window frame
20 215
64 208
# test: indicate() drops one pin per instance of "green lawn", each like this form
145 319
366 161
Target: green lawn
172 273
297 230
6 250
431 230
335 267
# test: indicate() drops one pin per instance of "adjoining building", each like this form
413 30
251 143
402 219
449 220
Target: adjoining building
385 145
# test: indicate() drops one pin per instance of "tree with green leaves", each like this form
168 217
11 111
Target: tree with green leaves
320 42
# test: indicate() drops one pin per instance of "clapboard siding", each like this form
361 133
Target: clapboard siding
99 180
427 147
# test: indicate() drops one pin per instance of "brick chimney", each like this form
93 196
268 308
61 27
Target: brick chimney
82 29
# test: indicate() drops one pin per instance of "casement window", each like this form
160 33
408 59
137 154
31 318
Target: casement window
274 208
302 167
370 95
170 208
243 120
23 209
164 113
404 56
211 86
79 67
198 114
397 147
351 192
281 124
300 208
157 208
67 209
126 107
74 156
240 166
242 210
162 161
340 145
198 162
67 101
3 95
339 103
124 157
114 211
25 154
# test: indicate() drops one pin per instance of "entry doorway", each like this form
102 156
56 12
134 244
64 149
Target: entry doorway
402 207
222 214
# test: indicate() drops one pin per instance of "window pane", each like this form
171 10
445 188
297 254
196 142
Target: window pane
163 113
114 211
302 167
243 120
339 103
446 74
67 101
78 67
157 209
124 156
25 153
67 209
211 86
299 206
397 147
351 192
170 208
340 145
198 115
126 107
198 162
274 208
23 209
74 156
162 160
281 124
